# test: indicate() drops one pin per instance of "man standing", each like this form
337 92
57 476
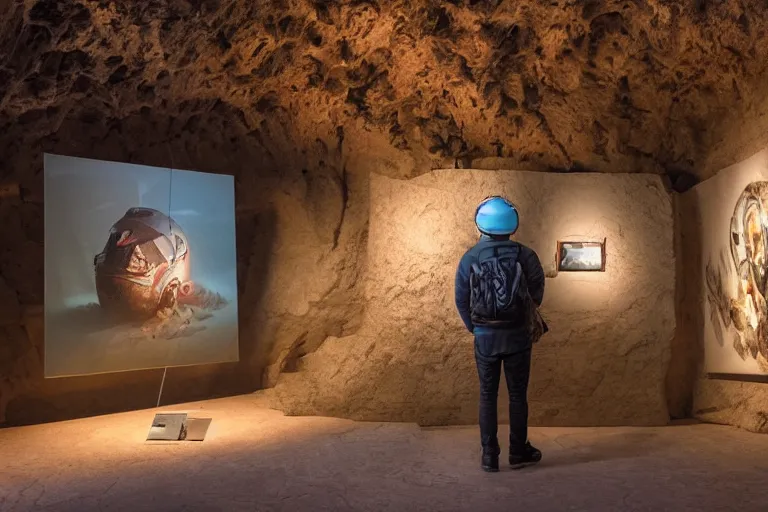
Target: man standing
499 287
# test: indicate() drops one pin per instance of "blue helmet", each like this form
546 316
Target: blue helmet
496 216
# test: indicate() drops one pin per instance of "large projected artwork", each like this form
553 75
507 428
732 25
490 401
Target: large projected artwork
733 240
736 282
140 268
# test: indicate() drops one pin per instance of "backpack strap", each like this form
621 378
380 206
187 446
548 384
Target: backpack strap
511 243
496 247
518 275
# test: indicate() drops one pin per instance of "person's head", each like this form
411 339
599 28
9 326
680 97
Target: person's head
497 218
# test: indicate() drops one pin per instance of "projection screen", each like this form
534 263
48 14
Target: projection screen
140 267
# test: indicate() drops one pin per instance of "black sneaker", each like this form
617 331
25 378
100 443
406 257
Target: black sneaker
490 462
530 457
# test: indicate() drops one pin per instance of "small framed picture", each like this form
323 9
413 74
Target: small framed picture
581 256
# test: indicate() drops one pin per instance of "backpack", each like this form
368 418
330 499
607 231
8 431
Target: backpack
498 291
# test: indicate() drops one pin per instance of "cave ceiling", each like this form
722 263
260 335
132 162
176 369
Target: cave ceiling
632 86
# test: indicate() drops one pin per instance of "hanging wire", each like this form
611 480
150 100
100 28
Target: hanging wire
172 237
162 383
170 196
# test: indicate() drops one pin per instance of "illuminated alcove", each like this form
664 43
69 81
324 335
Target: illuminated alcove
604 360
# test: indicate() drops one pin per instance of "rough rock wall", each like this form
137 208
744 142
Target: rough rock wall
605 359
705 223
599 84
301 100
686 352
743 404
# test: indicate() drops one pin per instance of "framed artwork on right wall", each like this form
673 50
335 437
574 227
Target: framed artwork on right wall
736 280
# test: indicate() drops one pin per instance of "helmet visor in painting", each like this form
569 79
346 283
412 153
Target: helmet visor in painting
496 216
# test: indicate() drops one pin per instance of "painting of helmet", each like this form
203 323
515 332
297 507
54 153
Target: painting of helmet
144 264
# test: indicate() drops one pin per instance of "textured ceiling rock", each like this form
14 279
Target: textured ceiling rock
635 85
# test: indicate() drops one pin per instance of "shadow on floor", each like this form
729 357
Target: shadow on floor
601 448
575 446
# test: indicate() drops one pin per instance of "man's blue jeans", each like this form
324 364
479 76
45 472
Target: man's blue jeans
517 369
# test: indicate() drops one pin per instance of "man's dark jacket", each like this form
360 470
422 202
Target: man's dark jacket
495 341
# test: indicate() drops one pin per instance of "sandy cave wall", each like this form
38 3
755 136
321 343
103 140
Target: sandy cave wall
706 223
606 358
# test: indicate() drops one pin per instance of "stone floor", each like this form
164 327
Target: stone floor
256 459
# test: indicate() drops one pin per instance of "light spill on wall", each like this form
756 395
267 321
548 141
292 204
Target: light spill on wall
604 361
